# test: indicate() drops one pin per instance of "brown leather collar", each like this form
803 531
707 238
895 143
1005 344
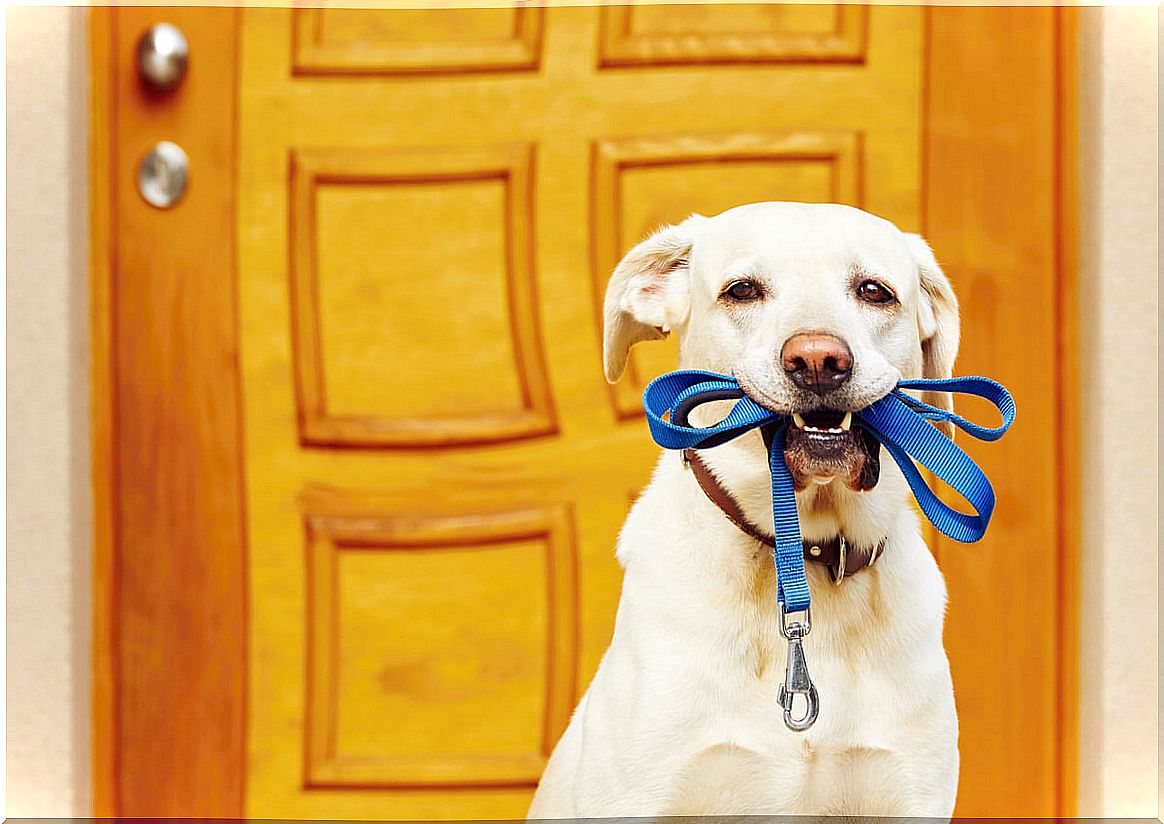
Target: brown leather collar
841 557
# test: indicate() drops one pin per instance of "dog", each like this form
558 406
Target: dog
817 310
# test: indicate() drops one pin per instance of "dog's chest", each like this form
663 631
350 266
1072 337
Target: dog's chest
745 722
851 686
812 776
748 759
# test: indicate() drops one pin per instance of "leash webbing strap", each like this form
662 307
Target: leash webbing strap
902 425
791 582
899 422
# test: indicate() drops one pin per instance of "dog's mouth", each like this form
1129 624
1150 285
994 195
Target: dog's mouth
823 445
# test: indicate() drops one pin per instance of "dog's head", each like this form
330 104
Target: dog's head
817 310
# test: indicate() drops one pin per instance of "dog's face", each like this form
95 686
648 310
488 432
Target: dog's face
817 309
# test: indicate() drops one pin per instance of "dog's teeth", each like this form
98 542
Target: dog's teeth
799 421
835 430
846 422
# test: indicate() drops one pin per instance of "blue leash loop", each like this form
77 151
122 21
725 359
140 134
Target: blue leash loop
901 423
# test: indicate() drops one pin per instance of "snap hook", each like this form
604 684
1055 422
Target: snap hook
796 678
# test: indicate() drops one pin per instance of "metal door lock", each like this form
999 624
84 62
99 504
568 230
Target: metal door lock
162 175
162 57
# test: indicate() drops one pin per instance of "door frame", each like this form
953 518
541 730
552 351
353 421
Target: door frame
206 589
169 555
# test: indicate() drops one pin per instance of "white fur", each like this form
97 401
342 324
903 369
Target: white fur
682 717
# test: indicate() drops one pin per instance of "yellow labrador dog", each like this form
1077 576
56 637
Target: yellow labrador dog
817 310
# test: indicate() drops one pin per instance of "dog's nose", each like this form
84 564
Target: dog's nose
816 361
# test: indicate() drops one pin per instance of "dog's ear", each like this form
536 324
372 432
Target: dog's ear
648 295
937 323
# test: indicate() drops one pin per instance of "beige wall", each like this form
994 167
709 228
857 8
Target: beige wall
47 406
47 494
1119 768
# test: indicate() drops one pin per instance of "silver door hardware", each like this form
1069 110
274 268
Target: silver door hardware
162 56
161 176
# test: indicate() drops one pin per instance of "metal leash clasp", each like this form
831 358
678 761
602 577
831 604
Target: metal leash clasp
796 678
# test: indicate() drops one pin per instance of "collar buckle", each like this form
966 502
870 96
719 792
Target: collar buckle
838 571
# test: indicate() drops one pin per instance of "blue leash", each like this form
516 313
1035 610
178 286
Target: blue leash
901 424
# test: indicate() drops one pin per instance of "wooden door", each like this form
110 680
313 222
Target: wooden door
430 469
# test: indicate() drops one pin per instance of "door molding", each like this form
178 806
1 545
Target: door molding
180 749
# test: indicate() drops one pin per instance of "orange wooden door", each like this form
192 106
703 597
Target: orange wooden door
432 471
429 205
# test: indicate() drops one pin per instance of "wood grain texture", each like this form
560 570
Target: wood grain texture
511 167
103 701
175 568
445 684
622 44
445 49
995 205
1069 400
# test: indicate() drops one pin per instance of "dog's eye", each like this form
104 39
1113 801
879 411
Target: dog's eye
871 291
743 291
